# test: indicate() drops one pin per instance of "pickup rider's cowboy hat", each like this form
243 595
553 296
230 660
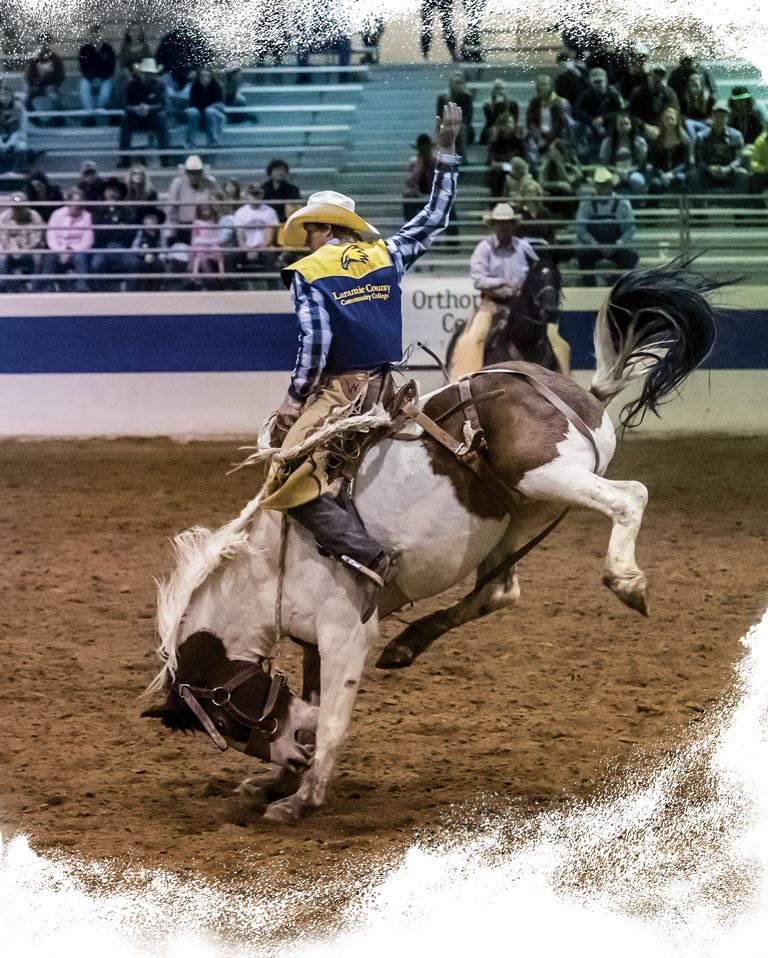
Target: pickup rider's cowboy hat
327 207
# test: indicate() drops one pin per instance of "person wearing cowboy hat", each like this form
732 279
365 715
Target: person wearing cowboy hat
498 266
144 109
605 227
347 298
190 189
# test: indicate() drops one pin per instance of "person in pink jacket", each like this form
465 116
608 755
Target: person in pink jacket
69 238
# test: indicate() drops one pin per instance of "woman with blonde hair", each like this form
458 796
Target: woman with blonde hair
669 155
498 102
138 185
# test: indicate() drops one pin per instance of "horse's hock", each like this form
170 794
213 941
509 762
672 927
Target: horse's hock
524 705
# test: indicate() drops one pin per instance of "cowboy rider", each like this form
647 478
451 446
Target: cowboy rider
499 267
346 294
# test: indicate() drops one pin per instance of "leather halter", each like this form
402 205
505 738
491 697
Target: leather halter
262 727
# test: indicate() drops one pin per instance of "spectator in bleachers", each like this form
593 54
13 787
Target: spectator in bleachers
234 98
149 248
22 232
97 70
758 163
519 183
370 35
458 94
226 201
205 252
696 105
133 49
183 51
444 10
144 109
231 191
561 176
593 113
39 189
745 117
635 70
112 237
624 152
471 50
605 228
205 112
678 78
279 192
43 78
419 176
139 189
13 132
670 155
191 188
649 100
498 102
70 238
504 143
90 183
256 225
545 119
570 80
718 155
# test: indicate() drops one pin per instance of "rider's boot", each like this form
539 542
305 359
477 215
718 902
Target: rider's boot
342 533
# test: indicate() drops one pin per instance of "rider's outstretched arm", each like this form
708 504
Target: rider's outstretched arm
414 238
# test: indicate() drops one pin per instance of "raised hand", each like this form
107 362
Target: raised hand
449 127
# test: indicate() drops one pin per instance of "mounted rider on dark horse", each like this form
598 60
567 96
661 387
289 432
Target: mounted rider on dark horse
521 291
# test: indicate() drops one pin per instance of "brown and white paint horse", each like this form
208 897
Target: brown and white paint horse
217 612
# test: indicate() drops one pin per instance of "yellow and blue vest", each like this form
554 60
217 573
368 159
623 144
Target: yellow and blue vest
360 292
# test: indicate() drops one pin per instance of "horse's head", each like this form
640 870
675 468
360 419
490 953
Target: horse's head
542 290
237 703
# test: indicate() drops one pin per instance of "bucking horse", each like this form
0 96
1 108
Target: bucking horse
466 479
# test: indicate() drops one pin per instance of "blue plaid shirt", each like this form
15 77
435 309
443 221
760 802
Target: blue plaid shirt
407 245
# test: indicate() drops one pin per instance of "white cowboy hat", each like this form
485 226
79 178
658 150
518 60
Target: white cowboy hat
148 65
327 207
193 162
501 213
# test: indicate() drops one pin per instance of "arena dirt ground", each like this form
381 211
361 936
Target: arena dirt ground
530 706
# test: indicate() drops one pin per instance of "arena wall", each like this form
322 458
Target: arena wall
213 364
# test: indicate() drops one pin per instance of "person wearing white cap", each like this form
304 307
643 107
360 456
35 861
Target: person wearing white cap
605 227
499 266
347 298
144 109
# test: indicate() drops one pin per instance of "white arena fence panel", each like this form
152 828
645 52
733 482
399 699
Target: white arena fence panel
200 364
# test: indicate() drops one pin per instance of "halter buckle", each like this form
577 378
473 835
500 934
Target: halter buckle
220 696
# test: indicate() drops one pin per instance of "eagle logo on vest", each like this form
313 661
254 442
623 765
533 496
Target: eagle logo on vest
353 254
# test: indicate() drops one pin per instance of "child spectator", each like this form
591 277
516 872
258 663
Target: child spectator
505 142
44 76
21 241
669 155
149 248
97 68
624 152
69 237
256 225
545 119
205 112
41 191
498 102
13 132
205 248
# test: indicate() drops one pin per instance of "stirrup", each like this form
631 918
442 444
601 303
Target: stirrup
363 570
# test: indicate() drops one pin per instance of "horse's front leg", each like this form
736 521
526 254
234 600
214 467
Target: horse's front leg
342 650
623 502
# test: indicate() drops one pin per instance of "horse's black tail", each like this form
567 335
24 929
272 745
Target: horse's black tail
656 325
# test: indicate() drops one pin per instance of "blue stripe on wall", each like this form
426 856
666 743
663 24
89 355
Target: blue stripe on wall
262 343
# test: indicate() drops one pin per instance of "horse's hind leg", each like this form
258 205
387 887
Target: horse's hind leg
622 502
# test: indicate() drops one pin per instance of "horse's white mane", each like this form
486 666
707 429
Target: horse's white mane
199 551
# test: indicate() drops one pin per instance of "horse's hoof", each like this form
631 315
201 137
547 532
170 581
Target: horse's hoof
287 811
632 591
395 656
